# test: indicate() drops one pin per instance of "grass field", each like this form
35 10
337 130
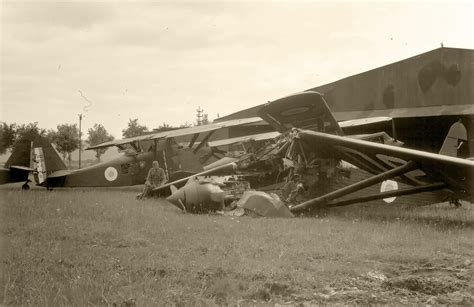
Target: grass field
102 246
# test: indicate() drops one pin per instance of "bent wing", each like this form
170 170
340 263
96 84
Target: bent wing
377 158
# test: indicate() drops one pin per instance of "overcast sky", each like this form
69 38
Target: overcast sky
158 61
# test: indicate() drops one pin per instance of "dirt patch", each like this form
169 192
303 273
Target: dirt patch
426 285
407 285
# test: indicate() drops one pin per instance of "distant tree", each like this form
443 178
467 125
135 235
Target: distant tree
66 139
7 136
97 135
185 125
51 134
205 119
164 127
134 129
30 131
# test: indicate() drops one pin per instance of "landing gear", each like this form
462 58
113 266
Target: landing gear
25 186
455 202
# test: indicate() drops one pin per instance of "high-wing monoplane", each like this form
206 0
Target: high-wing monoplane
131 168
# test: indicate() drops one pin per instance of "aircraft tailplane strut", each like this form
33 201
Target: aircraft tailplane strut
388 194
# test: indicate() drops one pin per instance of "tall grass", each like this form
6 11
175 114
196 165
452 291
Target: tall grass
103 247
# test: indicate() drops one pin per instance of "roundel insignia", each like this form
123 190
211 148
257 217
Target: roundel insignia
110 173
389 185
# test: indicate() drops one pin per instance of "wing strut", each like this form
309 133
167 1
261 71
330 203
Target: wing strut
136 146
214 153
155 142
325 199
195 136
388 194
204 141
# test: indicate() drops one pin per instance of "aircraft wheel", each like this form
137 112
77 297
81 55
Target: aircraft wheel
456 203
25 186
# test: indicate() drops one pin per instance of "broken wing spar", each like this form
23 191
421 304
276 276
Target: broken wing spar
210 128
427 171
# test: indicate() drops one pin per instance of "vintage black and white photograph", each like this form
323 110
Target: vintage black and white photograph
236 153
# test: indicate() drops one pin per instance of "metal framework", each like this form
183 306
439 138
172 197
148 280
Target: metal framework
324 200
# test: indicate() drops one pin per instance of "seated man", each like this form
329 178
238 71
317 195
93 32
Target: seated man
156 177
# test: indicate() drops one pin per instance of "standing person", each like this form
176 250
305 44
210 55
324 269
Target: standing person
156 177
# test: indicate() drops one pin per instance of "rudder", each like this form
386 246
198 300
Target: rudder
456 141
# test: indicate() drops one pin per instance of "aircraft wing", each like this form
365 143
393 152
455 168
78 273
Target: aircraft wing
246 138
305 110
456 173
180 132
363 121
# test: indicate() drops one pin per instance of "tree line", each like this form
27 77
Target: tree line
65 137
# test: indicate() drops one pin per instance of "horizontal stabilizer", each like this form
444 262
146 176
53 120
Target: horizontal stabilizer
23 168
60 173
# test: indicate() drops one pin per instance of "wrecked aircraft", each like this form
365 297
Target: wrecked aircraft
310 160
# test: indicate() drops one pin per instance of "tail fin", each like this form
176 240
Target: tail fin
44 159
455 142
20 155
36 153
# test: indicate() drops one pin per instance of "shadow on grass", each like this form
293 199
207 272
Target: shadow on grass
441 216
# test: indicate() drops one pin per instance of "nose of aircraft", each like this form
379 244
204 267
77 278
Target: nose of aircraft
198 197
